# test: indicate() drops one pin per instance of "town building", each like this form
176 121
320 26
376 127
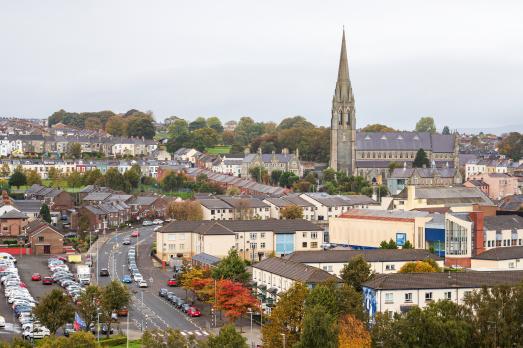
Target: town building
44 238
254 239
278 203
285 162
400 292
380 260
499 184
402 177
328 206
499 259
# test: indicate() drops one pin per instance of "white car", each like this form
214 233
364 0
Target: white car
2 321
36 332
157 221
147 223
137 277
142 284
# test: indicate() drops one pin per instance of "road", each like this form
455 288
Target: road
147 309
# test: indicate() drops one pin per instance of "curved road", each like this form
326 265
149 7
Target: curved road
147 308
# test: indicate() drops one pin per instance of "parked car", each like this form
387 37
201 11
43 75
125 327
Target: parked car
36 277
147 223
104 272
135 234
185 307
157 221
172 282
47 280
194 312
126 241
142 284
127 279
180 302
123 312
68 329
2 321
162 292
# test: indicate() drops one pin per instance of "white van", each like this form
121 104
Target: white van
6 256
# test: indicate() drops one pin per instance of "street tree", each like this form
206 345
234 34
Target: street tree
320 329
18 178
391 244
234 299
353 333
421 160
205 290
88 303
417 267
292 212
286 318
45 214
114 296
227 338
231 267
74 150
54 310
426 124
74 180
185 211
356 272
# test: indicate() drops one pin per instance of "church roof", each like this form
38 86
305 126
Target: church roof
406 141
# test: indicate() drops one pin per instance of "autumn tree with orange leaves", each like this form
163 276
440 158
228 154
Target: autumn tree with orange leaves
352 333
234 299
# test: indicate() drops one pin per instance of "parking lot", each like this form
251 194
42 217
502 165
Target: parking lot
27 265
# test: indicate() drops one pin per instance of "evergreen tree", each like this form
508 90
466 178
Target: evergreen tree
446 130
421 159
17 179
45 214
319 329
231 267
356 272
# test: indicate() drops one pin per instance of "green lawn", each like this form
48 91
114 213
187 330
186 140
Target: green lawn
132 344
50 183
218 150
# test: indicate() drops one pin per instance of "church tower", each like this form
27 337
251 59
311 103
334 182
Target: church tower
343 121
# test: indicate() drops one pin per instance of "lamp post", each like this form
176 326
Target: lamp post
127 329
283 335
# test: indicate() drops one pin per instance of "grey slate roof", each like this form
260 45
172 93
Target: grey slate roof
503 222
206 259
370 255
294 270
97 196
214 203
407 141
502 253
449 195
244 202
340 200
401 173
143 200
442 280
28 205
13 214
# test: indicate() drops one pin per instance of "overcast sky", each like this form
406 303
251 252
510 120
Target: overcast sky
459 61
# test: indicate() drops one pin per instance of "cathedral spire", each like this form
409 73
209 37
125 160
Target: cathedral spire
343 91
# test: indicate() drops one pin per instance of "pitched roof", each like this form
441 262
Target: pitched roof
13 214
205 227
37 225
206 259
503 222
502 253
294 270
448 195
143 200
407 141
442 280
370 255
244 202
214 203
28 205
97 196
340 200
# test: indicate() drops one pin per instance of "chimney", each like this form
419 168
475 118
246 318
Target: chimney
477 218
411 192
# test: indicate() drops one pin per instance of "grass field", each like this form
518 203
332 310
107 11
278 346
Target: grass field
132 344
218 150
50 183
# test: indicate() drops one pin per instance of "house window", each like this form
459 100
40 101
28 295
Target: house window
172 246
262 235
428 296
304 234
304 244
182 246
212 211
390 267
314 235
511 265
40 238
327 268
253 245
314 245
252 235
389 297
448 295
262 245
408 297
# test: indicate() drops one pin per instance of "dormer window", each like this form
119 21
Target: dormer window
400 137
367 137
416 137
383 137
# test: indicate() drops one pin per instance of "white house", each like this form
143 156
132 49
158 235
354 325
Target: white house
328 206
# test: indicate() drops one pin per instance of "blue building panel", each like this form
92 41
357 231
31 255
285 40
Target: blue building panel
284 244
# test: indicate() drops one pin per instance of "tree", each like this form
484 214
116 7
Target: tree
190 275
215 123
114 296
5 170
33 177
292 212
319 329
392 166
133 175
74 150
76 339
53 174
287 179
141 126
258 173
286 318
234 299
233 191
391 244
199 123
445 131
294 122
88 304
353 333
426 124
231 267
173 181
302 186
92 176
74 179
185 211
511 145
377 128
204 137
407 245
93 123
418 267
421 160
18 178
356 272
54 310
178 128
116 126
115 180
227 338
45 214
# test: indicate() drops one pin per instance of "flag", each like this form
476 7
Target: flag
78 322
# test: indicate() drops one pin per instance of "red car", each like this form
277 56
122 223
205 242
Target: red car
47 281
193 312
172 282
36 277
22 285
135 234
62 258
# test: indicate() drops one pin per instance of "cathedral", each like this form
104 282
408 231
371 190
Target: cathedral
370 154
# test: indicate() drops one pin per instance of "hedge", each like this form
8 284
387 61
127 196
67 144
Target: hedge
113 341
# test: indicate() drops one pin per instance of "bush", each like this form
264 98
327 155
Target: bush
113 341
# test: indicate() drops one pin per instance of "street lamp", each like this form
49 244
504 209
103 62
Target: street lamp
251 313
283 335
